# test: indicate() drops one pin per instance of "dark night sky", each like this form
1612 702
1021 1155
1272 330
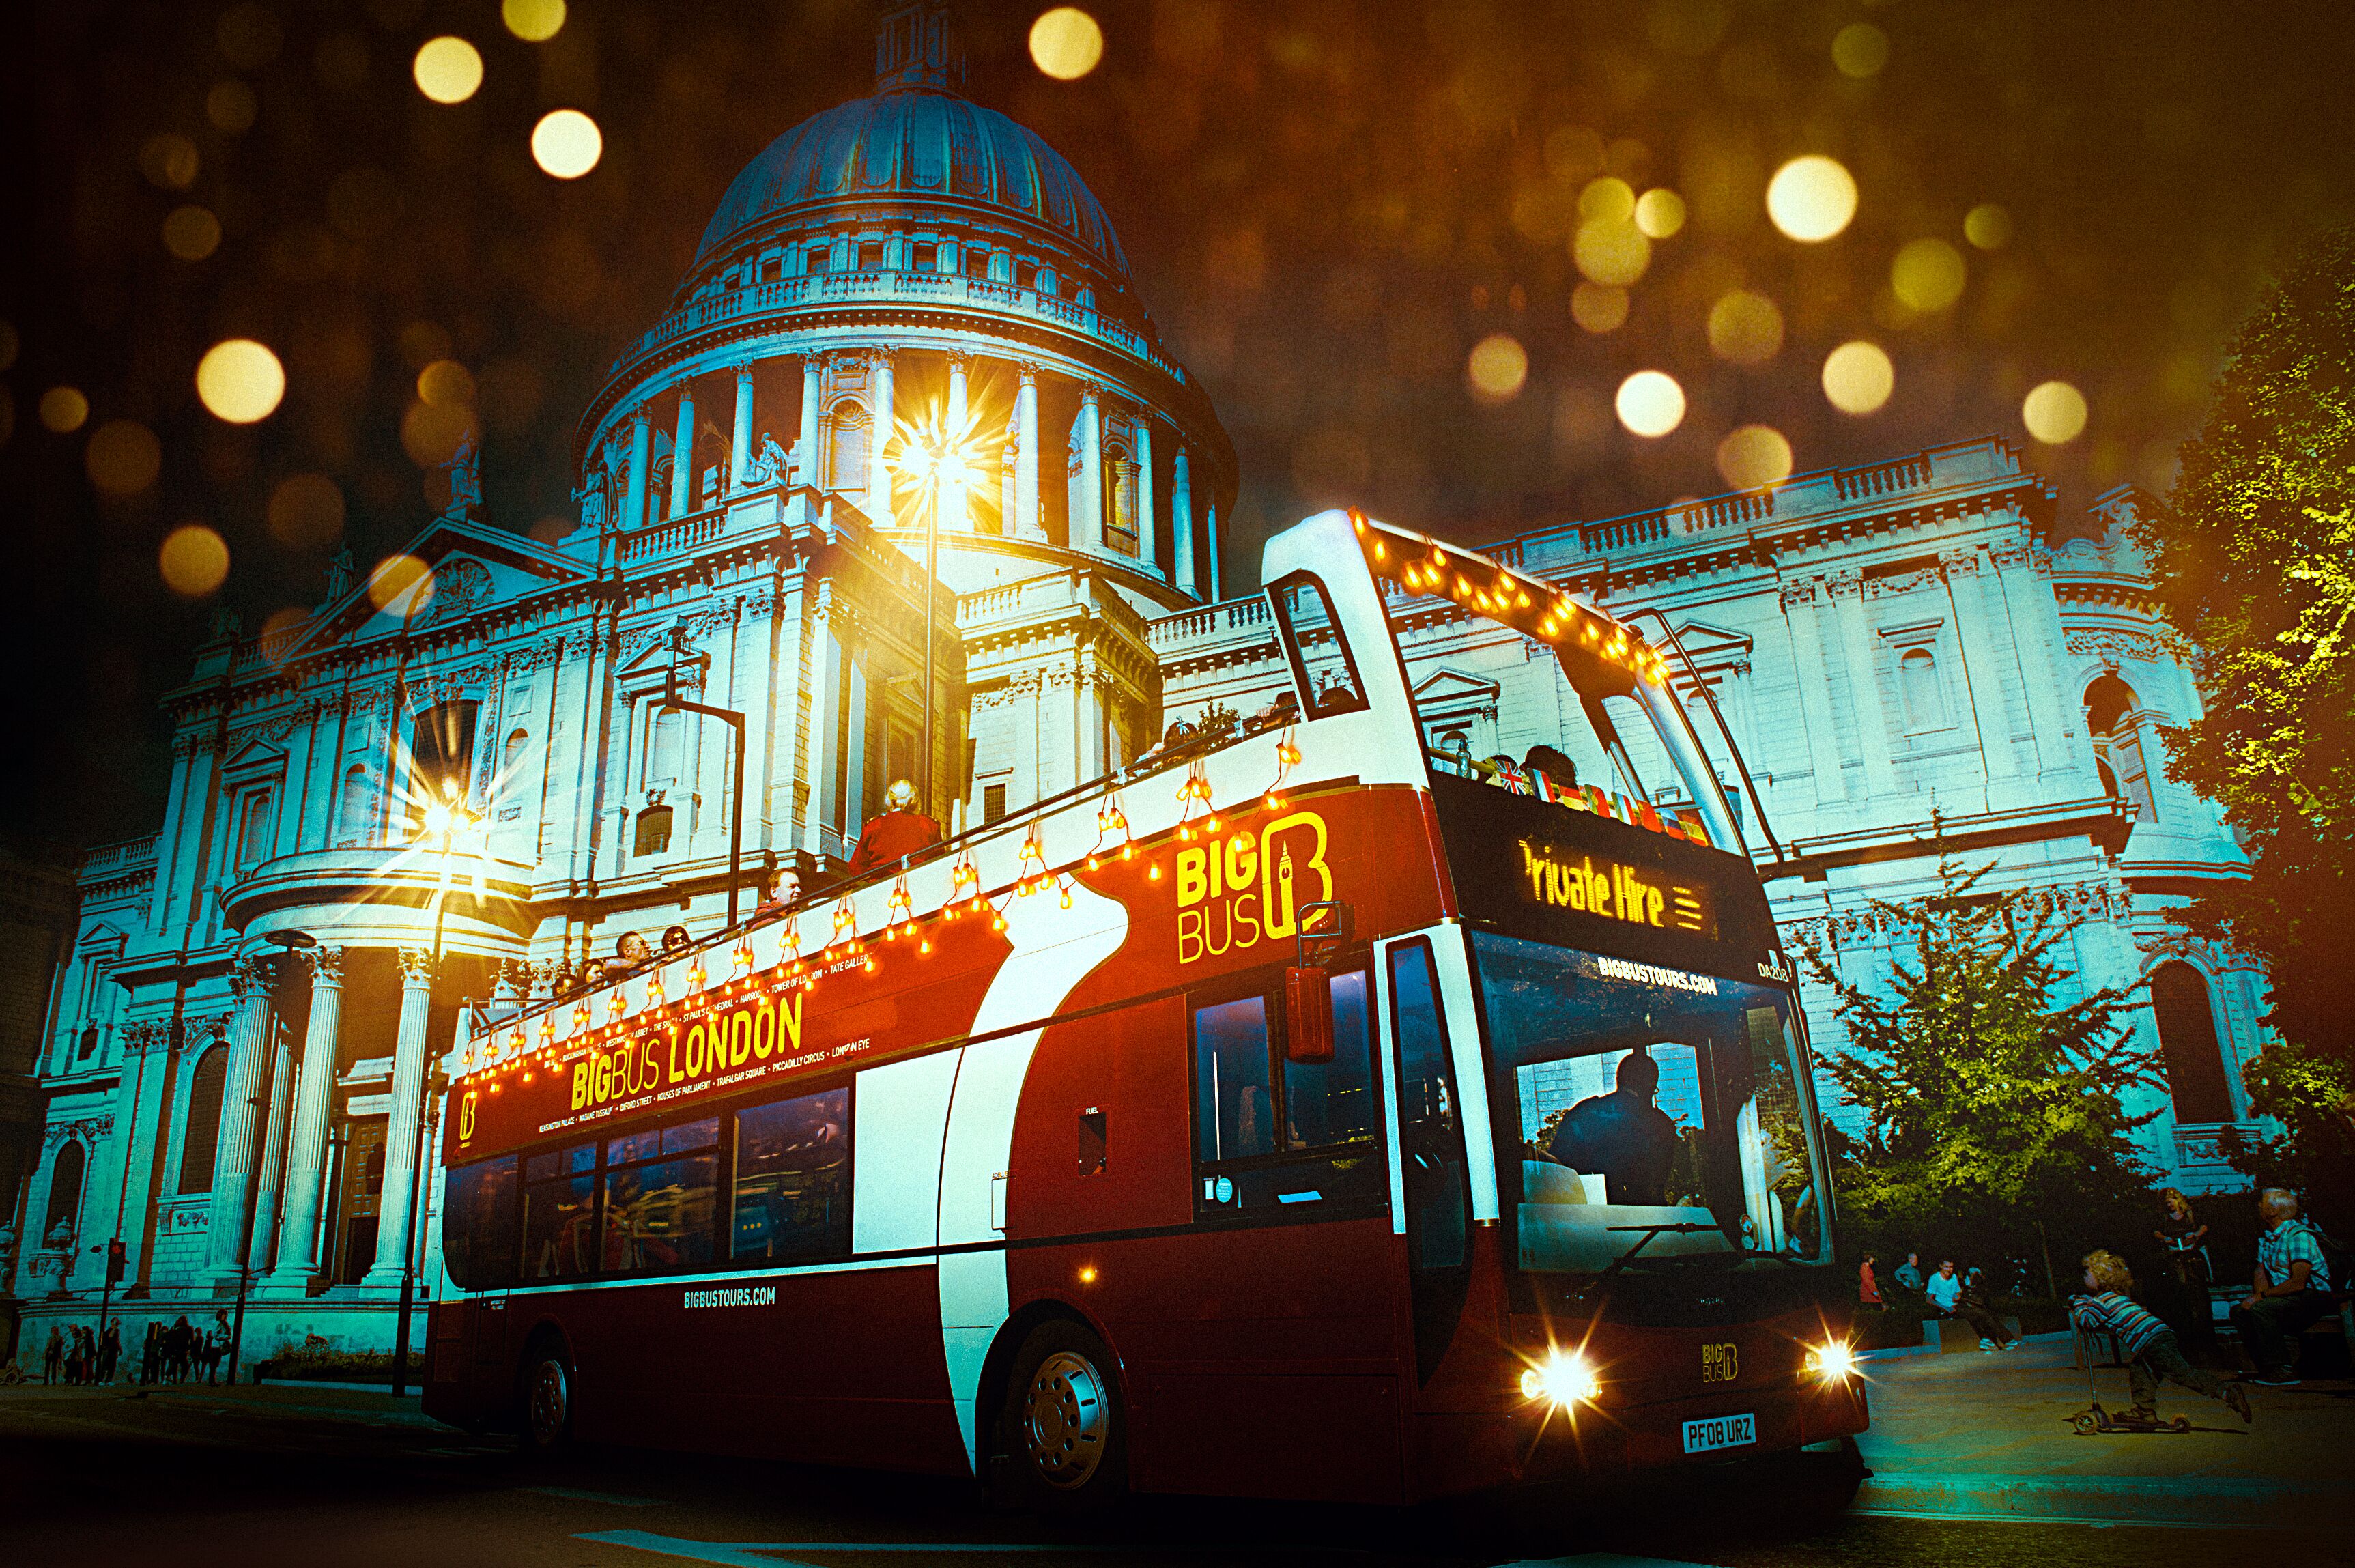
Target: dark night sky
1327 206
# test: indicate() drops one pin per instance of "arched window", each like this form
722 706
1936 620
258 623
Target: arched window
511 759
253 825
2110 705
2187 1044
356 811
203 1134
662 746
850 447
1917 681
64 1187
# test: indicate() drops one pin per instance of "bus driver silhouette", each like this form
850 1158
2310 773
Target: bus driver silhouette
1622 1135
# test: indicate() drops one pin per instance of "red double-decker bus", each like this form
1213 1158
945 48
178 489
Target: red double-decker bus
1302 1112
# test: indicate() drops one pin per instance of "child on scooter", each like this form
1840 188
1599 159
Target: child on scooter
2147 1344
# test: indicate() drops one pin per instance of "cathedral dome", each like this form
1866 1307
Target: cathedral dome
918 144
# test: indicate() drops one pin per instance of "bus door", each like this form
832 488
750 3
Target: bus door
1285 1310
1434 1180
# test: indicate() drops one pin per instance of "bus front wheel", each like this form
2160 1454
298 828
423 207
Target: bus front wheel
1065 1430
547 1402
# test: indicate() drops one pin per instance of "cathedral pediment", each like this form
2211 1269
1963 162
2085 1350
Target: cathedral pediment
474 566
1714 647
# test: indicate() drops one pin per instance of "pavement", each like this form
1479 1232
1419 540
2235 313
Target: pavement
1986 1435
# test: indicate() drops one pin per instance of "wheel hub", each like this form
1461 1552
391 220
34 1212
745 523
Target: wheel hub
549 1398
1066 1418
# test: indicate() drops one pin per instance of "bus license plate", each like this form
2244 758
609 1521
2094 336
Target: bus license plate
1720 1432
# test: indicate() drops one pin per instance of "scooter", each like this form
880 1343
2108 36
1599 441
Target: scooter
2093 1419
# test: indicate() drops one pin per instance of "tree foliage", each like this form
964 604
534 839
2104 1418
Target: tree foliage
2254 564
1993 1122
2311 1095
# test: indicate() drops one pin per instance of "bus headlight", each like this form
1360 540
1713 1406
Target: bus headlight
1831 1361
1562 1379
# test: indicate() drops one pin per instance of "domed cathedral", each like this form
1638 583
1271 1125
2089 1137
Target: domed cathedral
903 461
911 321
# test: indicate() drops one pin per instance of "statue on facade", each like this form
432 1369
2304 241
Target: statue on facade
767 465
342 572
591 499
465 472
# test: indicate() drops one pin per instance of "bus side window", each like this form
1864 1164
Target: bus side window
559 1206
660 1185
1322 666
478 1228
1431 1139
793 1179
1270 1132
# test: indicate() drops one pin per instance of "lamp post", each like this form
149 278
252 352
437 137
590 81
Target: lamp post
442 818
932 455
673 702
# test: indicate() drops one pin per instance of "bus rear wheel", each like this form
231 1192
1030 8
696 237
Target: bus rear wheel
547 1402
1064 1430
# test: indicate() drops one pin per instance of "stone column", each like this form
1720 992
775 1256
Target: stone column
682 453
1847 590
1211 546
879 468
146 1063
400 1117
1148 548
1025 522
315 1104
739 456
2061 746
269 1184
641 457
1975 623
805 443
956 515
1181 524
1087 518
1800 596
234 1153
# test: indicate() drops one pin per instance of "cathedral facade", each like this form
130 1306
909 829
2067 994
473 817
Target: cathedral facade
905 485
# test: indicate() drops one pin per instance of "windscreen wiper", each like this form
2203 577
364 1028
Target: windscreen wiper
1651 1233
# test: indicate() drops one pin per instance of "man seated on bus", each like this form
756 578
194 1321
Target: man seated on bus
900 831
1622 1137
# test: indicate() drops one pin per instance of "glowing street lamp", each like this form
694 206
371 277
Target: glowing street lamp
937 463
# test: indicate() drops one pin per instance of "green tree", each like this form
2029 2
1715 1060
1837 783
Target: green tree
1993 1126
2254 563
2312 1096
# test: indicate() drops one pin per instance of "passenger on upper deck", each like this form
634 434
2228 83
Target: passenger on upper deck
899 832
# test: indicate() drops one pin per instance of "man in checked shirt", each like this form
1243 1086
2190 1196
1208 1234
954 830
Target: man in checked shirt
2291 1288
2147 1344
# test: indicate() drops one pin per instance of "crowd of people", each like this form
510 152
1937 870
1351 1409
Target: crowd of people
79 1355
2164 1328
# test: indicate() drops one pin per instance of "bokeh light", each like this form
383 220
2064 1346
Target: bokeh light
1987 227
240 381
191 233
1610 198
123 457
430 432
1753 457
2054 412
446 384
194 560
1927 275
63 409
567 144
1598 307
1858 377
1611 251
169 161
305 511
1066 43
1860 49
401 585
230 106
1660 213
448 69
1811 198
1650 404
1497 368
1746 327
533 21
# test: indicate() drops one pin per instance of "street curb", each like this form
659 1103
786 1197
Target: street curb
267 1408
2252 1500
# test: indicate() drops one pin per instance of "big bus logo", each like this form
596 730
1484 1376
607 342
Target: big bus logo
466 1118
1232 892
